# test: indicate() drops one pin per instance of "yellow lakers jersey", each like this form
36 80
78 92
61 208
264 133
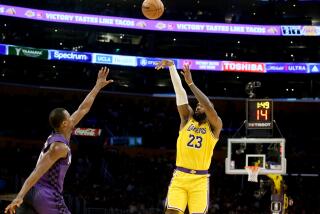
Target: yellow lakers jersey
277 179
195 145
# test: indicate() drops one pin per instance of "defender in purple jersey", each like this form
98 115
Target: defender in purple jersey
42 191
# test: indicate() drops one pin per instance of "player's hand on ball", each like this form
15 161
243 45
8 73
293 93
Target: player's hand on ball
164 63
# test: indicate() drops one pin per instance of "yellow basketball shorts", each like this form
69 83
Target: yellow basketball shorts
188 189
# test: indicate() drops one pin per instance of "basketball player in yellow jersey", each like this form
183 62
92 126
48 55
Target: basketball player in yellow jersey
277 183
198 135
278 191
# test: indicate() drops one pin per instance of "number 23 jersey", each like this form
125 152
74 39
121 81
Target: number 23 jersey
195 145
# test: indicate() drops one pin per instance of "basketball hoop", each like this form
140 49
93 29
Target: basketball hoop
253 172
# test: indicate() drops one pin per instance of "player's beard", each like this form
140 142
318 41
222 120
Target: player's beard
199 117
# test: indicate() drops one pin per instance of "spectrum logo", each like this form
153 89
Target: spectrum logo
70 56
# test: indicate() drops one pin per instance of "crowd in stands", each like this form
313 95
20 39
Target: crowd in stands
137 183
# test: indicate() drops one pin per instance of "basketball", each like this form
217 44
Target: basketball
152 9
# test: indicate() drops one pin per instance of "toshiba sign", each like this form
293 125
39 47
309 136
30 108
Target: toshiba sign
244 67
87 132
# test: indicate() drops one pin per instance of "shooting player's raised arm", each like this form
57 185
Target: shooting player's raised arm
213 117
184 109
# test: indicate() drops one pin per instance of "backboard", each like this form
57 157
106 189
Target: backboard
267 153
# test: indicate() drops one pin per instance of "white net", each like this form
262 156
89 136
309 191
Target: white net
253 172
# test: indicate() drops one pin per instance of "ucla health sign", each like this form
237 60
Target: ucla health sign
112 59
102 58
124 60
70 56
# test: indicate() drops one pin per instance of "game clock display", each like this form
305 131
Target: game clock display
259 114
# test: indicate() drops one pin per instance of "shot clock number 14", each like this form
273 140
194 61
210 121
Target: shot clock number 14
259 114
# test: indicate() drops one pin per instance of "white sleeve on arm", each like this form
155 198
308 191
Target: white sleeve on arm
181 94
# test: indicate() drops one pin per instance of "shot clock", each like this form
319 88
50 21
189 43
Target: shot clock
259 114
